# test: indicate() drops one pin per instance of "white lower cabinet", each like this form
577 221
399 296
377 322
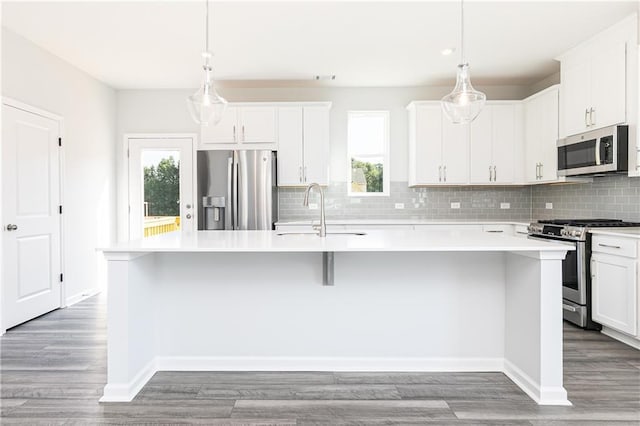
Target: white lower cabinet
614 279
504 229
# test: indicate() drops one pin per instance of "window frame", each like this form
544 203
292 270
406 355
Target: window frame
385 154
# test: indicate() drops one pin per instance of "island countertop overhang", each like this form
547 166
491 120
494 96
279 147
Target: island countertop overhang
371 241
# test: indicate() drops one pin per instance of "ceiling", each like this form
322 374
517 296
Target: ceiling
157 44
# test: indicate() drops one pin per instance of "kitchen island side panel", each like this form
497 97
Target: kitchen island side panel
384 308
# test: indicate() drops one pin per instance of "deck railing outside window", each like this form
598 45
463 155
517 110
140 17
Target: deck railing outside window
156 225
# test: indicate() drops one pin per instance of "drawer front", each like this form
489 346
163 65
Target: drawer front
627 247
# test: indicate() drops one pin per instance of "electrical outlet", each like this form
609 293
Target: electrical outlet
505 205
455 205
313 206
548 206
399 205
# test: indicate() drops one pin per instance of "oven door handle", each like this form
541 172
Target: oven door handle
568 308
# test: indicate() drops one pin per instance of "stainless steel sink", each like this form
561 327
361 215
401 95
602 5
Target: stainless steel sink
285 233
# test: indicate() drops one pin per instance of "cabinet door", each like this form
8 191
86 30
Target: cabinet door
455 152
548 153
481 147
426 154
257 124
608 88
504 138
290 146
614 289
532 138
315 167
223 132
575 94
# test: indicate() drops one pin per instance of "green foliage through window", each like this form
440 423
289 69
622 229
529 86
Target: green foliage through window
162 188
366 176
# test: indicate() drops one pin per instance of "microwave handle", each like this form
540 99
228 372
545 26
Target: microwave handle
598 162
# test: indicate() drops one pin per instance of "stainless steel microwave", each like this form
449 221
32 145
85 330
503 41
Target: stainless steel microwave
595 152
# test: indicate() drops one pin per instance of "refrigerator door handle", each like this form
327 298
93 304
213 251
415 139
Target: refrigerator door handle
235 190
229 225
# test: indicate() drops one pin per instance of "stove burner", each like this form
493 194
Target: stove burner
590 223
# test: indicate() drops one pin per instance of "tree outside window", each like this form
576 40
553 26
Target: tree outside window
368 150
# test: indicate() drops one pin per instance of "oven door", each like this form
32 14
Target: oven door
574 272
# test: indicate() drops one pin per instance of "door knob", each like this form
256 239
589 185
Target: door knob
11 227
188 215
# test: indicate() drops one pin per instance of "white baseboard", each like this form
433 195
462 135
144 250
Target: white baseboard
72 300
126 392
621 337
327 364
541 395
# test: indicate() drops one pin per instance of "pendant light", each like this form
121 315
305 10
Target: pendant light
206 105
464 103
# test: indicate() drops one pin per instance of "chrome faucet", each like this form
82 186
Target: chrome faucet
323 225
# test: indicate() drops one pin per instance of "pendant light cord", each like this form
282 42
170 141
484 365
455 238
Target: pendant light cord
462 32
206 41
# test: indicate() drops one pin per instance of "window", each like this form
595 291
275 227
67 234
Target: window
368 151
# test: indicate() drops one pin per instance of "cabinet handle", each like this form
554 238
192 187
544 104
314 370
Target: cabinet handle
490 174
243 138
609 246
537 171
234 133
495 231
586 115
592 113
541 170
444 169
300 174
439 173
495 174
305 174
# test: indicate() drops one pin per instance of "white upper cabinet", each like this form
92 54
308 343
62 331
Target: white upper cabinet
598 79
303 144
257 124
455 152
223 132
541 136
487 152
438 149
242 124
497 144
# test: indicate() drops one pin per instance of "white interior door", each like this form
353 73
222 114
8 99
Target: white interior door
31 213
161 187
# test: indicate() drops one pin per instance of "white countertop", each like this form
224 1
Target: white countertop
383 240
617 232
400 222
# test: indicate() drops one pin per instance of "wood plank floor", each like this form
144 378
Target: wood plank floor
53 370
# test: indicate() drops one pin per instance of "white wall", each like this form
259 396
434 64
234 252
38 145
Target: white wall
38 78
165 111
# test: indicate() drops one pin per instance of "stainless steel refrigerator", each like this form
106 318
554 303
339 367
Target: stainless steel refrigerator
237 190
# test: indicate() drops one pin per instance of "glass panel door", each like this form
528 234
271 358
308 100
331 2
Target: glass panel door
160 186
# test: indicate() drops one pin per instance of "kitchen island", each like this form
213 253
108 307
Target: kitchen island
400 301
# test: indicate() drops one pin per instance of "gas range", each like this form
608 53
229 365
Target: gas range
573 229
576 267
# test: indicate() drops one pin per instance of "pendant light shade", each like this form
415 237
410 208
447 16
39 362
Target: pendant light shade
464 103
206 106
